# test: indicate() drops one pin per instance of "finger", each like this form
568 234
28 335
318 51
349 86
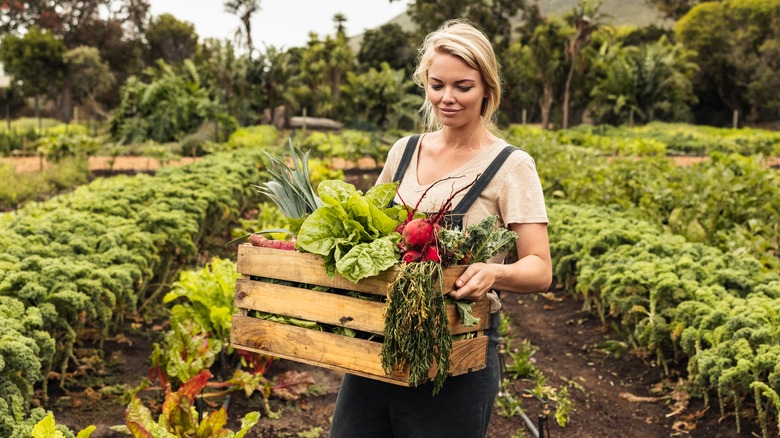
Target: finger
466 276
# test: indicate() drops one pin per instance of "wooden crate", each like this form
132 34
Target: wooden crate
328 350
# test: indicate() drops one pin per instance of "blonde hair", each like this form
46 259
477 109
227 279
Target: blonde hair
460 38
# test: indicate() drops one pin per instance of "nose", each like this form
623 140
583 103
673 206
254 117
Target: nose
449 95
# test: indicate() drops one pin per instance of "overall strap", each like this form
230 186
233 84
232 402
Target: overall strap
406 158
456 215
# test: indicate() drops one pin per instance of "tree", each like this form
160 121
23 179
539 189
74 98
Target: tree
322 65
522 84
279 80
643 83
170 106
123 50
547 56
492 16
388 43
382 98
170 39
765 88
244 9
36 60
675 9
585 19
727 38
88 75
64 17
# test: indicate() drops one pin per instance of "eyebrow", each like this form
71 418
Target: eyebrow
433 78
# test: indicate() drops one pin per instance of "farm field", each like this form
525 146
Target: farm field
635 239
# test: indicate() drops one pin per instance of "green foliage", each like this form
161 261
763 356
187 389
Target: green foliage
21 188
165 109
170 39
381 98
133 235
522 368
36 59
57 147
354 233
417 332
260 136
180 418
728 201
47 428
643 83
208 295
718 308
290 188
733 41
186 351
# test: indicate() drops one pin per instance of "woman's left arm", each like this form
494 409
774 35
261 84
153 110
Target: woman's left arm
532 272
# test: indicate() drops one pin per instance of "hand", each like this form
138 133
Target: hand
475 282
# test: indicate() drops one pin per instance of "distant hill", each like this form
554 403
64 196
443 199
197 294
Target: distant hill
619 13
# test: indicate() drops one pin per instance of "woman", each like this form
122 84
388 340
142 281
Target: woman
459 73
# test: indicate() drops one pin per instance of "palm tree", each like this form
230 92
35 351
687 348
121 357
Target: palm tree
545 46
585 19
244 10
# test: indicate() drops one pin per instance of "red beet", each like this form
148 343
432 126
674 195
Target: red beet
411 256
432 254
417 233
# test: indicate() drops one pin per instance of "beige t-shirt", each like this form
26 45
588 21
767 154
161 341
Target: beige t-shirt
514 194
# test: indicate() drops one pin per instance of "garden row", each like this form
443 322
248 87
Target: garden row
678 299
662 139
81 261
683 258
731 202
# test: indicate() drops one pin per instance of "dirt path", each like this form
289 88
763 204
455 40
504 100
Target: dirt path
36 164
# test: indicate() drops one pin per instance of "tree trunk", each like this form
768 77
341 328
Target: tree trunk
38 112
566 92
546 104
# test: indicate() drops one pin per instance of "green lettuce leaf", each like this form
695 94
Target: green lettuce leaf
369 259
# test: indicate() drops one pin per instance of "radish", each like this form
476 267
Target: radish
418 233
432 254
411 256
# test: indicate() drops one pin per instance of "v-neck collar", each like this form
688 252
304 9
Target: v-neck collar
461 169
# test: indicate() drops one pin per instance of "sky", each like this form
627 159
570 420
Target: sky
281 23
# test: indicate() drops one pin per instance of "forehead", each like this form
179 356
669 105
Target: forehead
449 66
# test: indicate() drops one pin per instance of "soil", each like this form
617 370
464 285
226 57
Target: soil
613 395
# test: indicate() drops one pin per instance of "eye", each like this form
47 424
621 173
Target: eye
436 86
464 88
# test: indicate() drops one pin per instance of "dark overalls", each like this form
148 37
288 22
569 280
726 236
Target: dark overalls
372 408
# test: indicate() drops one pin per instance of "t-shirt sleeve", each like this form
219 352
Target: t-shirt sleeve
521 198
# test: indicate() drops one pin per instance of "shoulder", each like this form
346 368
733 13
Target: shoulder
518 158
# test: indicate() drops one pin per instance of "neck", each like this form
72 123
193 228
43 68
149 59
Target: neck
474 137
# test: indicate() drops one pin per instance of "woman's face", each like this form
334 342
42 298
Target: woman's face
455 90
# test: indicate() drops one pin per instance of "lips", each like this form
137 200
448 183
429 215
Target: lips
448 111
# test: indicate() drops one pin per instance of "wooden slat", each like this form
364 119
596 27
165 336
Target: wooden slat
334 309
340 353
323 307
308 268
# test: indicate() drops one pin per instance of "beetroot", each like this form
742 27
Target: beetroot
417 233
432 254
411 256
420 236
